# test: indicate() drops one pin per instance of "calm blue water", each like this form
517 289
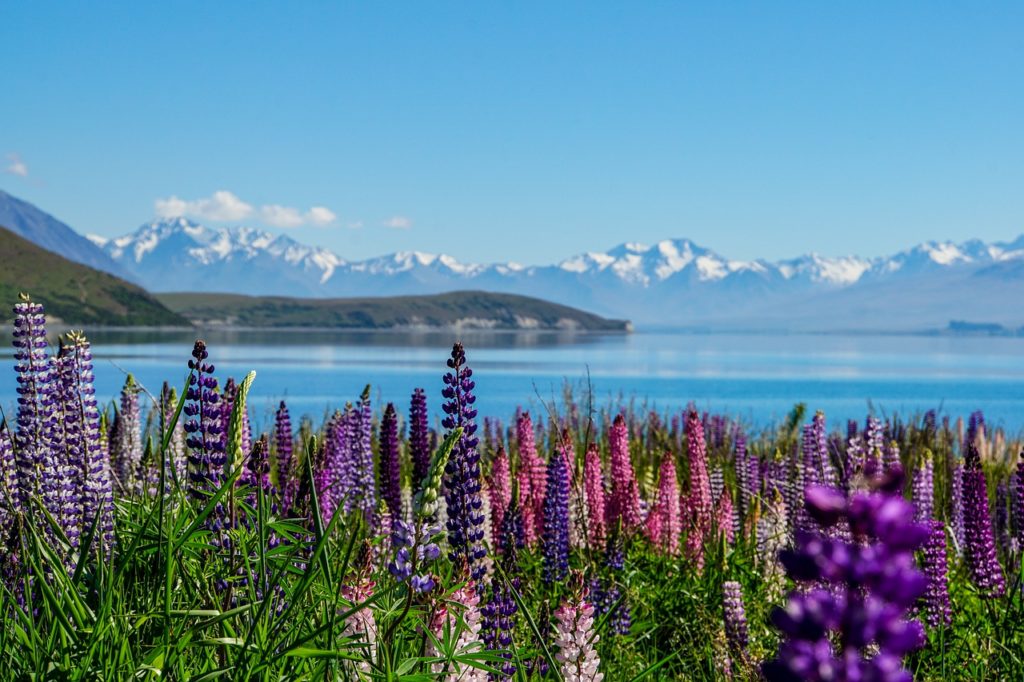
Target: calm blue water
757 378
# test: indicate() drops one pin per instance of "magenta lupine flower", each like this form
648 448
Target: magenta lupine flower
923 489
126 443
735 618
575 639
361 625
979 548
391 483
33 368
664 522
534 483
501 494
593 489
624 505
701 506
462 473
555 544
419 437
526 506
936 568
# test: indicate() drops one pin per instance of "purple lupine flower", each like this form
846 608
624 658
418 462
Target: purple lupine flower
874 441
816 461
1019 509
936 568
288 477
980 547
735 618
462 472
497 623
205 435
555 540
361 490
419 437
332 476
98 489
126 444
1001 516
923 489
391 484
63 494
33 368
8 481
176 460
866 587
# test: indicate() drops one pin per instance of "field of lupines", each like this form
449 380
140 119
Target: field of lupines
160 537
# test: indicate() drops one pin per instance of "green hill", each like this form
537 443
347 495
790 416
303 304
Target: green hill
73 293
465 309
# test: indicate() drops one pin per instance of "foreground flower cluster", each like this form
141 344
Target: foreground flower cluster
183 535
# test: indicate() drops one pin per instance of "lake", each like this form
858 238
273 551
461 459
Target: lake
755 377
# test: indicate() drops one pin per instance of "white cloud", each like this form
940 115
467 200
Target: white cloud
398 222
225 206
320 215
221 206
281 216
16 166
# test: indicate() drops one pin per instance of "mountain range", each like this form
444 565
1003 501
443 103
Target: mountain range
672 283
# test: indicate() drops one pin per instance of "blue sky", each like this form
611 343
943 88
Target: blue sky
523 131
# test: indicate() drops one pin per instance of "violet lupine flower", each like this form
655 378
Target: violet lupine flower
126 445
980 548
497 621
8 481
462 472
284 447
1020 503
747 474
817 463
555 544
593 489
411 540
332 475
891 455
391 483
701 505
735 618
923 489
717 479
873 443
665 522
67 449
362 493
867 586
624 505
772 538
1001 517
501 494
936 568
532 478
205 435
33 368
575 638
176 460
98 488
419 437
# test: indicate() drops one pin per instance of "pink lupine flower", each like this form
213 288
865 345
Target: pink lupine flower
501 492
593 486
536 475
664 522
530 519
575 638
701 507
361 625
625 499
461 614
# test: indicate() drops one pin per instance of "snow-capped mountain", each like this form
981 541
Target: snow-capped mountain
672 282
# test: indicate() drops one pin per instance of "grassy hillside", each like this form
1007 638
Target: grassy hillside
473 309
74 293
